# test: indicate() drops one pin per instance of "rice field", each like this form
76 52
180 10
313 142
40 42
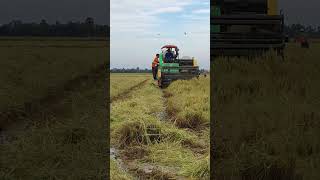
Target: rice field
52 109
153 143
120 83
266 116
31 70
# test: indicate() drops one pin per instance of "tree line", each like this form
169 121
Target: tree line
88 28
130 70
296 29
138 70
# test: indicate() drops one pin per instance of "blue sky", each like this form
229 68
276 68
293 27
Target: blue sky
140 28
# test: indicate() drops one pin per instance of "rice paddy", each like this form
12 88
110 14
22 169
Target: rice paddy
52 109
266 116
149 139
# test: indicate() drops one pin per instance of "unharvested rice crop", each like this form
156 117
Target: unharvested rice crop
147 137
120 83
32 70
266 116
65 139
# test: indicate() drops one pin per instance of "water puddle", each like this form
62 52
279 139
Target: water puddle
114 155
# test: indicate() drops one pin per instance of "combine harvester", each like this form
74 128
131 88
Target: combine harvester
246 28
175 68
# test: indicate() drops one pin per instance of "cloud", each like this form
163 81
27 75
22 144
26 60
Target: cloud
128 15
201 11
140 28
166 10
207 3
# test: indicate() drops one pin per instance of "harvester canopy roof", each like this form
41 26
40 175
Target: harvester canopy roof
169 46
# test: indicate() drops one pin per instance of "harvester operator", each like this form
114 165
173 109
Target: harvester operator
169 55
155 66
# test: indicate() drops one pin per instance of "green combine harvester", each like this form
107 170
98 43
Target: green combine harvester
175 68
246 27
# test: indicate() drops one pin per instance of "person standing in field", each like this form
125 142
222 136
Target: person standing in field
155 63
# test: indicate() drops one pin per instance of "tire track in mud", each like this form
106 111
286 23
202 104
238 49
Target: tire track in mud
113 151
128 159
141 171
127 163
20 118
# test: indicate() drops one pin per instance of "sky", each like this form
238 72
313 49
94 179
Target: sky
135 24
298 11
140 28
306 12
52 10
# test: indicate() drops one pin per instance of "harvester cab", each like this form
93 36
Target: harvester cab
170 53
171 67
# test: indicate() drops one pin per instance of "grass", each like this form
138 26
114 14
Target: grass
28 72
139 111
189 101
68 140
266 116
143 133
118 174
120 83
73 147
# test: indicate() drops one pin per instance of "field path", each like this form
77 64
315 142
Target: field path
121 160
114 152
147 105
